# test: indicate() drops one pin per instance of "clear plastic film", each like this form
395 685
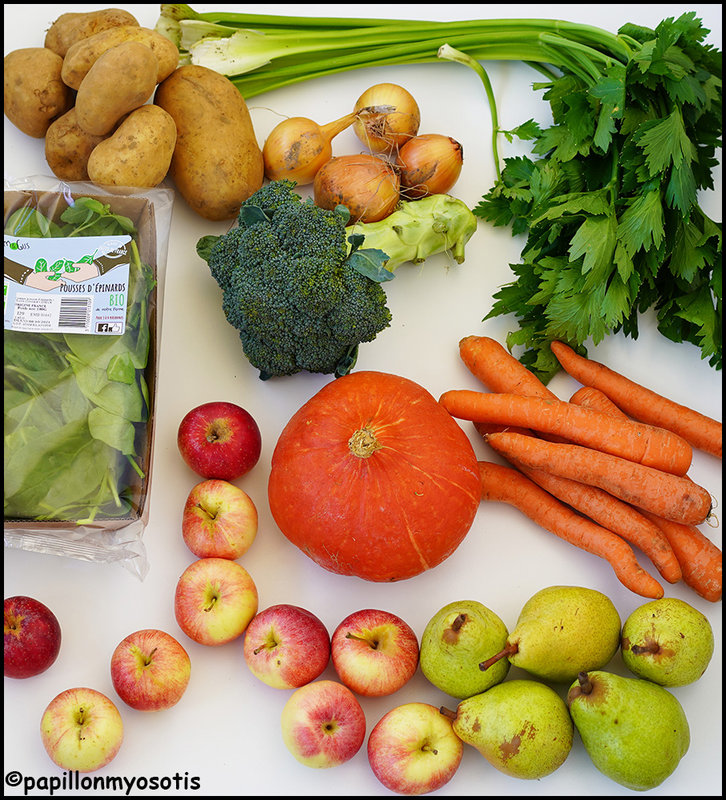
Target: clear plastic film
84 272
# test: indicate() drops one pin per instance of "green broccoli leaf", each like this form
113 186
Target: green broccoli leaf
371 262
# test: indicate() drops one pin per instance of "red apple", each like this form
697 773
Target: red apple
286 646
32 637
323 724
219 440
215 600
81 729
150 670
413 749
219 520
374 652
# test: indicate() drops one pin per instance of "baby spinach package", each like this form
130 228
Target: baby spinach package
83 282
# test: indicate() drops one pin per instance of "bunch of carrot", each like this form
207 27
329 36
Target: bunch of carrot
604 471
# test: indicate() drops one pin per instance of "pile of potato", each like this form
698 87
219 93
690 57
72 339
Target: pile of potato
115 108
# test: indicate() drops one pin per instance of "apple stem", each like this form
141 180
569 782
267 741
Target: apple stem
372 642
509 650
428 749
210 514
447 712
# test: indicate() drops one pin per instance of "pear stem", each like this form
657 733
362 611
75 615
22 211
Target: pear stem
447 712
458 622
585 683
509 650
648 647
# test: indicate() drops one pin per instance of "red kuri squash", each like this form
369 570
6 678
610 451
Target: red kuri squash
372 477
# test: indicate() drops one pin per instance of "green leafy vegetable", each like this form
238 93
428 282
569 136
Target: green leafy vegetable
610 208
76 404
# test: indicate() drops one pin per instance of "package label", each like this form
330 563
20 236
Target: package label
67 285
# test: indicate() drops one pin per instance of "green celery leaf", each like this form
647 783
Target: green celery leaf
665 142
595 240
641 224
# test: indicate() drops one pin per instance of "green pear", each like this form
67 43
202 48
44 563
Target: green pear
668 642
521 727
635 731
562 631
455 640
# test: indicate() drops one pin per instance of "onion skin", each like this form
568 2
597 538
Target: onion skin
387 131
366 185
429 164
297 147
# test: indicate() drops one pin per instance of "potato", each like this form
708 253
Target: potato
137 153
82 55
72 27
217 162
34 92
68 147
104 97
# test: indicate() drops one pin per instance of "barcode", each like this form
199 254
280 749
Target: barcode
74 312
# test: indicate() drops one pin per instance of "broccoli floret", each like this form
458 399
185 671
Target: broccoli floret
289 287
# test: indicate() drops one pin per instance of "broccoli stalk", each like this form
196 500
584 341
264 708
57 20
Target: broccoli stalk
418 229
302 290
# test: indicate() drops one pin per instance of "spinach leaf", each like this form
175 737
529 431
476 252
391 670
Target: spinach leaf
76 405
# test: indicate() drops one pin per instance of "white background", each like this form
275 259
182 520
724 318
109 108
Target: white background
226 729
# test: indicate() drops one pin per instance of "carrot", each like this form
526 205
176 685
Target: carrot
498 369
508 485
635 441
590 397
703 432
699 557
674 497
615 515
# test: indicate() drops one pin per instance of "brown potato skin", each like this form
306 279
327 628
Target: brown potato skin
217 161
83 54
34 92
72 27
68 147
120 80
137 153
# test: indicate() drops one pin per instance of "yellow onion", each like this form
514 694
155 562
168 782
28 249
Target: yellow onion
298 147
367 185
429 164
391 119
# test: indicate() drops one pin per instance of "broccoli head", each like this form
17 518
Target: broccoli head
290 285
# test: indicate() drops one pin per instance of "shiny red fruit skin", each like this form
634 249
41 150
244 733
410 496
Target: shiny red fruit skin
32 637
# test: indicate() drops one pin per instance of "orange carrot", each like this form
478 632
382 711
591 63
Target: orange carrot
508 485
498 369
606 510
590 397
700 558
636 401
635 441
674 497
613 514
